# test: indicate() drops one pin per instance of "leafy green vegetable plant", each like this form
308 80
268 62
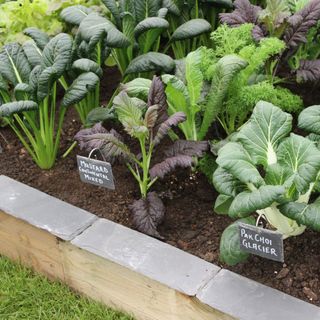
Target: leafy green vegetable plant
268 170
148 128
133 33
28 94
295 22
86 72
15 16
223 83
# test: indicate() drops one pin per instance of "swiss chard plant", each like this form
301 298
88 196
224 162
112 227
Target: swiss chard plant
295 22
268 172
148 124
29 80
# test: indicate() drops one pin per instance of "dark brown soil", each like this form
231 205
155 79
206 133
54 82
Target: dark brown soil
190 223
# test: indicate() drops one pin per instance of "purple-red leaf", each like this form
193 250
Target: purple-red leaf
108 142
170 164
147 214
181 154
84 137
309 70
188 148
157 96
165 126
300 23
244 12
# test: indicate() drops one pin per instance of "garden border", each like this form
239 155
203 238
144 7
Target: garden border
129 270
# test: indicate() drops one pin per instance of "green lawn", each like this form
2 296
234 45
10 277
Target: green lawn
25 295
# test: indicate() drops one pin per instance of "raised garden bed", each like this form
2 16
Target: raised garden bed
189 224
127 269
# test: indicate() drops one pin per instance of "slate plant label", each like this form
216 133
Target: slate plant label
96 172
261 242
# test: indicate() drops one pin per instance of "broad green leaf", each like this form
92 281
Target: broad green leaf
23 91
99 115
264 131
75 14
149 24
57 56
38 36
126 108
128 25
191 29
87 65
302 157
177 94
194 76
225 71
148 31
145 8
3 84
315 138
33 53
222 204
44 81
113 8
81 86
277 175
235 159
58 53
8 109
162 13
230 252
305 214
247 202
151 61
309 119
137 87
226 183
94 26
130 115
172 6
14 65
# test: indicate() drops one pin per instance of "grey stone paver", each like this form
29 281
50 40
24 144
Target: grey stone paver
246 299
151 257
41 210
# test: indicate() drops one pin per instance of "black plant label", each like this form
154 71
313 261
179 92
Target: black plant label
96 172
261 242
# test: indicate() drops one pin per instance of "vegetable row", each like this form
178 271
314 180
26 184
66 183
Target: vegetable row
216 92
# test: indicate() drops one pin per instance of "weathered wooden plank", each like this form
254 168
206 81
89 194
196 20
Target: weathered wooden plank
31 246
130 291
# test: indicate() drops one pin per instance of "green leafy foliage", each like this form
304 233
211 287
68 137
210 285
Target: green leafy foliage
295 22
28 93
252 83
15 16
148 124
270 171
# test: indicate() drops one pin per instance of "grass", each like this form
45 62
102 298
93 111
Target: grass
27 296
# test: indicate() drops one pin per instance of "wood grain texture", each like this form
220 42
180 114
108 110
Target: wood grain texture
96 277
31 246
129 291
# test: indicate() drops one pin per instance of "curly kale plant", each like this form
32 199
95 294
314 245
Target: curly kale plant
148 127
294 22
268 170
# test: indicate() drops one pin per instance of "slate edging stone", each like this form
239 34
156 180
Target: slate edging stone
225 291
